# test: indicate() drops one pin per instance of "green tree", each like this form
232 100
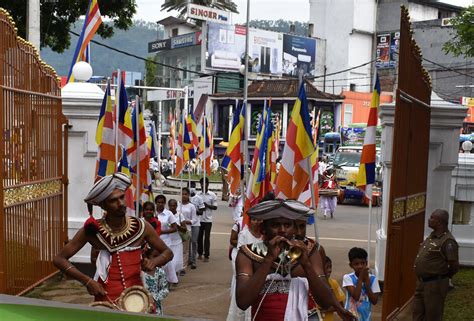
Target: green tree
280 25
181 5
57 16
463 38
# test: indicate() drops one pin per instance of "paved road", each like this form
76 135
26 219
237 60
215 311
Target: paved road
204 293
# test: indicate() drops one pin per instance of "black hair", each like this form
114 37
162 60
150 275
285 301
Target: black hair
270 196
160 197
185 189
206 179
327 260
148 204
172 200
357 253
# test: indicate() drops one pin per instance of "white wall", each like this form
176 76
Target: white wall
364 15
182 30
419 12
340 23
81 105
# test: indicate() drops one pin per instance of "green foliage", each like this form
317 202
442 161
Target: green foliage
280 25
458 304
181 5
104 61
463 39
58 16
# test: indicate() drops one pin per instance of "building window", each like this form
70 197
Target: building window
352 87
174 32
462 213
347 115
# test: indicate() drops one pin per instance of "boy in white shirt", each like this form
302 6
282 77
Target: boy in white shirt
209 201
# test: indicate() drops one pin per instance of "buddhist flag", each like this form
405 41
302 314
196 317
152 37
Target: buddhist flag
91 24
293 176
124 167
205 147
105 137
151 142
366 174
180 148
233 160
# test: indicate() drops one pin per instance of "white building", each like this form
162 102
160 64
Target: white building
351 27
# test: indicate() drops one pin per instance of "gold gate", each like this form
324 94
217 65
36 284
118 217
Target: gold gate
406 216
33 216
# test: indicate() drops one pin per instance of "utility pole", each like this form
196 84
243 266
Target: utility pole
33 23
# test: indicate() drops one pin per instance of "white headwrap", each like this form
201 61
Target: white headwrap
105 186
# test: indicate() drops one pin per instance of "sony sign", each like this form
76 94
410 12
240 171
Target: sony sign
208 14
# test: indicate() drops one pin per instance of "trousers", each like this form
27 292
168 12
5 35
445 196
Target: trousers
428 302
204 239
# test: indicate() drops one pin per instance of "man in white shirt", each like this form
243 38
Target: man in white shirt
209 204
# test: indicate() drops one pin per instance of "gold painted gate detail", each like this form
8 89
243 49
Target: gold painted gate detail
33 220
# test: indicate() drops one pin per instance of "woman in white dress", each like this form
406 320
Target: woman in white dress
168 232
241 235
176 243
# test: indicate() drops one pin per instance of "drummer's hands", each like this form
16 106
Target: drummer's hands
95 288
148 265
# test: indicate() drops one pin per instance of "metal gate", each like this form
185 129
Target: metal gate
406 216
33 218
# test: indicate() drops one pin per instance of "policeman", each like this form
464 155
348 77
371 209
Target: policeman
436 262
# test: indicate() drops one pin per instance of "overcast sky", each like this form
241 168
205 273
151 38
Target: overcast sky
149 10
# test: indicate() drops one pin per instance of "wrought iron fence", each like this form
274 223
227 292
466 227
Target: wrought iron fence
33 220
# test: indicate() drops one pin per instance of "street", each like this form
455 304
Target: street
204 292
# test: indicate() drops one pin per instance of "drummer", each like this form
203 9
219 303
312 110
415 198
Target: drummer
118 237
328 198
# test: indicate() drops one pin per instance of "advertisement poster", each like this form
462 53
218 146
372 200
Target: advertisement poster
266 50
225 47
299 53
394 43
383 51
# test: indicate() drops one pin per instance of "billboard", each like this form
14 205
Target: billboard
186 40
225 47
208 14
266 51
387 50
299 53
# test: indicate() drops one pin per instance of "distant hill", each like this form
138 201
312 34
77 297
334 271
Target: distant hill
280 25
105 61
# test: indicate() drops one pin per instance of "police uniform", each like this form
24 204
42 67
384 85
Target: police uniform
432 272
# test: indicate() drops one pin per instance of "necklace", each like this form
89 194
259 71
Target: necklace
117 236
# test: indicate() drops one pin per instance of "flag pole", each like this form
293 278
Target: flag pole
369 231
158 148
313 199
137 124
117 105
204 151
246 129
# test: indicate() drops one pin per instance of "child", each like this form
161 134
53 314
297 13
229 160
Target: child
361 286
335 287
155 282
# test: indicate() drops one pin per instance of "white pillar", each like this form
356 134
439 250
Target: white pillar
33 23
387 117
81 102
446 121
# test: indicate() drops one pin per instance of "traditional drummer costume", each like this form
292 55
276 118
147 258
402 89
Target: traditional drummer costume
119 266
282 297
328 193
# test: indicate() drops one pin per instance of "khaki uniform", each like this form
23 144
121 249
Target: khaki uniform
432 269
